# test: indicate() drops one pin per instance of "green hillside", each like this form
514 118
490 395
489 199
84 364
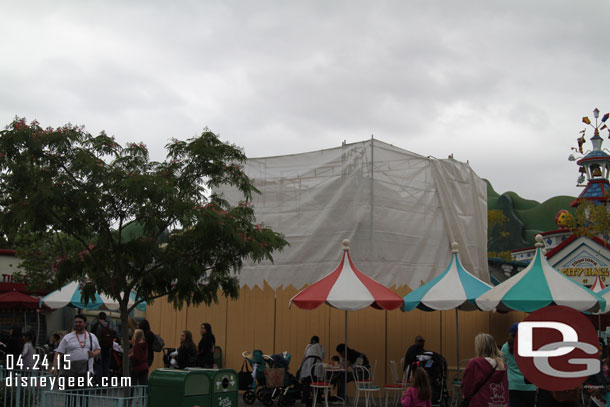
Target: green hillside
492 197
526 217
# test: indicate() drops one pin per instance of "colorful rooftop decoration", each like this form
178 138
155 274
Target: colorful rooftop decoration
595 163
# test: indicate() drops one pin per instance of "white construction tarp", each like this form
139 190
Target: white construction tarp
400 210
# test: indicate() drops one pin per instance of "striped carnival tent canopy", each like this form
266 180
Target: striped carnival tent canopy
537 286
605 294
71 295
455 288
598 285
347 288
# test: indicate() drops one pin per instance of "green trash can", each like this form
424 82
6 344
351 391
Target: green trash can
224 386
179 388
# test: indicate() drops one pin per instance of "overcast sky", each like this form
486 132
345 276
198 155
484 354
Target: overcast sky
501 84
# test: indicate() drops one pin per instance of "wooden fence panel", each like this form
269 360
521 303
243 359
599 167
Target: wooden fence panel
251 321
260 319
367 334
500 322
295 327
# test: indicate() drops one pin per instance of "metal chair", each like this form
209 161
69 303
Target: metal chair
397 387
362 379
321 381
373 370
456 393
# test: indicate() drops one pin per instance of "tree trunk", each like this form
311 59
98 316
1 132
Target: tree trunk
124 335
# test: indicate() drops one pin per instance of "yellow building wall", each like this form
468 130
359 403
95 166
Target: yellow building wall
261 319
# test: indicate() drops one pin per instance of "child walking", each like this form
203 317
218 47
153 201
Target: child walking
420 394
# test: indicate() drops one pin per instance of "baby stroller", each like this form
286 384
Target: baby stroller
290 389
258 362
272 381
167 359
436 367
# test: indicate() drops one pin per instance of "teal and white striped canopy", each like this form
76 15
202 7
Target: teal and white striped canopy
605 294
454 288
71 295
537 286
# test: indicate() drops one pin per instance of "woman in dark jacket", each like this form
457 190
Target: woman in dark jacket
14 344
138 356
187 352
205 350
149 337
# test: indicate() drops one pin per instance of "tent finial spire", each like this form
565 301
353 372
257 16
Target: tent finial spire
346 245
454 247
539 241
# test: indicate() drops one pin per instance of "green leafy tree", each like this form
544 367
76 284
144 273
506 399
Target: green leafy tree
70 199
590 220
496 230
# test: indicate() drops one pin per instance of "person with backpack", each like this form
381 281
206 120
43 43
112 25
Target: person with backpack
155 342
103 330
485 380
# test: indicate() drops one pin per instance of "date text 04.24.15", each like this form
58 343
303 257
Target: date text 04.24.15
39 362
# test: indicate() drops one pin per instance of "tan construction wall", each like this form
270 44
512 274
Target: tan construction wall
261 319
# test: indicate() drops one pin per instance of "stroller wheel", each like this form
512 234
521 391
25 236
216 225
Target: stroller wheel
249 397
284 401
267 399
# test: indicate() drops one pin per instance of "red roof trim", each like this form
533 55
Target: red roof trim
572 238
556 231
587 159
525 249
576 202
561 245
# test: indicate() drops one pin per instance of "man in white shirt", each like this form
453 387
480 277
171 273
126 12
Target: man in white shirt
80 348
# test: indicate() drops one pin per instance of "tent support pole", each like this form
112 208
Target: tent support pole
457 339
345 364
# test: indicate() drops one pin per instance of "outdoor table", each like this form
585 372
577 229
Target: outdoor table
336 372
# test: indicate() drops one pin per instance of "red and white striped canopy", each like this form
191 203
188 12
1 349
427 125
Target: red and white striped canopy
346 288
598 285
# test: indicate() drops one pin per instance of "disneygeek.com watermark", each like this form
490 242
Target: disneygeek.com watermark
61 383
557 348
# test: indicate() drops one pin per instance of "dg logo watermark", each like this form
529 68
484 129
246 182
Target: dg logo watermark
556 348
